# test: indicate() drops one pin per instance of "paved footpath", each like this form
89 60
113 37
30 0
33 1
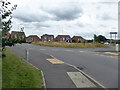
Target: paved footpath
56 73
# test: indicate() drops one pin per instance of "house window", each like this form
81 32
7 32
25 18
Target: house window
15 36
49 38
45 38
63 38
22 36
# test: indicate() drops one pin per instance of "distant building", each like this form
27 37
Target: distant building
32 38
62 38
47 37
78 39
18 35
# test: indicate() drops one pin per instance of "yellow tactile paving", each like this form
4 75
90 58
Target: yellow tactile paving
111 53
54 61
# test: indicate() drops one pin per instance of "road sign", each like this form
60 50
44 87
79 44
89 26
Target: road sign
68 38
113 32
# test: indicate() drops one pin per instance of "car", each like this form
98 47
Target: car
29 42
106 43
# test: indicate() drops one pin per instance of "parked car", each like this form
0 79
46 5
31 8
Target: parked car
106 43
29 42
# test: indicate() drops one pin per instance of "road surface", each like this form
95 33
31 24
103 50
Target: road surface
103 68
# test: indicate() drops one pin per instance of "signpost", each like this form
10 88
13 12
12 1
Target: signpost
68 39
111 37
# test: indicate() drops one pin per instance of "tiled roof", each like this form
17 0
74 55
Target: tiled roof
63 35
47 35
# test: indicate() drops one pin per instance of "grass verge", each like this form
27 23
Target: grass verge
71 45
17 73
0 69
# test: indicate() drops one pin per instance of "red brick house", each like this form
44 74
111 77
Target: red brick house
47 37
62 38
18 35
32 38
78 39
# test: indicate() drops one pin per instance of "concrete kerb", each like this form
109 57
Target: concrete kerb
84 74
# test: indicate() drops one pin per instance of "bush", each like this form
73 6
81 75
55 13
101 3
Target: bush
74 41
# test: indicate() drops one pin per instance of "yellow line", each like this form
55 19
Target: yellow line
111 53
85 74
54 61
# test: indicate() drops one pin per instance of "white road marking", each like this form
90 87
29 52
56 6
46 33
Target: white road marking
80 80
82 51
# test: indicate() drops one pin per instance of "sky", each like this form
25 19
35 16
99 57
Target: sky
67 17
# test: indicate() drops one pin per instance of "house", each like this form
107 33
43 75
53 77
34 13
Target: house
62 38
32 38
78 39
18 35
47 37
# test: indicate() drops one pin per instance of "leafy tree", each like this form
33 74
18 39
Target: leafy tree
99 38
5 23
5 19
74 41
95 37
6 13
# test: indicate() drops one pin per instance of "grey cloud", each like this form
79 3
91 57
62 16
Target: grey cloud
67 11
39 25
106 17
31 17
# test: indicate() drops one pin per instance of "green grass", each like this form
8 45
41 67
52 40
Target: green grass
71 45
0 70
17 73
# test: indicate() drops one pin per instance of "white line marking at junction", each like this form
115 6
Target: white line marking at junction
80 80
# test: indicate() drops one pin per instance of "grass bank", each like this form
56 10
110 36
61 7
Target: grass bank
0 69
71 45
17 73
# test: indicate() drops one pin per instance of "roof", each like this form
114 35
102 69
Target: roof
78 36
63 36
32 36
16 32
47 35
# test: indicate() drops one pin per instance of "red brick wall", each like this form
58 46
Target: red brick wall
33 38
48 38
59 39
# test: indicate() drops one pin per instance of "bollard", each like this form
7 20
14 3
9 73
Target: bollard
117 47
27 54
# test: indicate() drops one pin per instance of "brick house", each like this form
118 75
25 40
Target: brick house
62 38
47 37
32 38
78 39
18 35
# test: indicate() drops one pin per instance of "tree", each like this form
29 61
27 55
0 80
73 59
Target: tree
95 37
5 19
99 38
5 13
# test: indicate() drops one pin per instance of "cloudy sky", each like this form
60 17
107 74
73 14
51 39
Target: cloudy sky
73 17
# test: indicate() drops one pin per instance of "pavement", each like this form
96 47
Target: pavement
96 64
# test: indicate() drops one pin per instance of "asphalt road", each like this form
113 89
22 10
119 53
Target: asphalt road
103 68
